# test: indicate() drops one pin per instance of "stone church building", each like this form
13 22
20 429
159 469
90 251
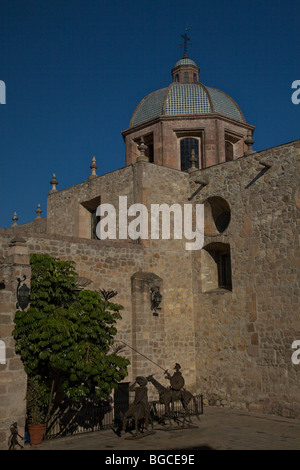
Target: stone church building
228 312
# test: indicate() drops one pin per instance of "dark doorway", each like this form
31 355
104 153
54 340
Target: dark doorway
121 401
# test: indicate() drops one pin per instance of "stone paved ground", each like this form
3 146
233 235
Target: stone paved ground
219 429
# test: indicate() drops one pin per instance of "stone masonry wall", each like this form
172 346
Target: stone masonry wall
169 260
65 213
244 336
233 346
13 380
168 337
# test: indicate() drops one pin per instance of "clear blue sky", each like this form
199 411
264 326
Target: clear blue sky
76 69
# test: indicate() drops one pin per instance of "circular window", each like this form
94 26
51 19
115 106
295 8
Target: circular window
216 216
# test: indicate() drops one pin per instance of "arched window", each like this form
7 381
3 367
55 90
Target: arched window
186 146
185 77
176 78
216 267
194 77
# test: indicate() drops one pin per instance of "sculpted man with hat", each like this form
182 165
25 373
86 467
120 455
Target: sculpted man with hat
176 380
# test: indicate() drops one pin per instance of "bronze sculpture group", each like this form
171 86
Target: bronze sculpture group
141 412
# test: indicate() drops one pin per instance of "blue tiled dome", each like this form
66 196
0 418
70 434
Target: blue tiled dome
185 98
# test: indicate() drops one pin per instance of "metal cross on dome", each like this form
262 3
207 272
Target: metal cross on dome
186 39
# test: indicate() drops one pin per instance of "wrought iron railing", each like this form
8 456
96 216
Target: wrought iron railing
91 416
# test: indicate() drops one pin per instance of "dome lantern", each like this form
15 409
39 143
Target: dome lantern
185 71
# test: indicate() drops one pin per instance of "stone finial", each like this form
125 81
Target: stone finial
38 211
249 142
193 161
15 218
93 167
54 183
142 148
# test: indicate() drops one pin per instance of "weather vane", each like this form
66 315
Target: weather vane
186 39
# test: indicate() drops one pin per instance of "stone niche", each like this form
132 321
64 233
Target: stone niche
148 329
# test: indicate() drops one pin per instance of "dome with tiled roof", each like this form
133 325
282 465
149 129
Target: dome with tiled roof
185 96
185 61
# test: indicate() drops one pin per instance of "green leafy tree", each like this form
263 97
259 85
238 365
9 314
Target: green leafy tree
65 342
53 282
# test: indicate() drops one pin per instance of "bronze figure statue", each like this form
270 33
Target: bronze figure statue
13 438
139 410
176 380
176 391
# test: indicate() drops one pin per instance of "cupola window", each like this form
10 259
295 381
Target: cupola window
148 141
186 146
228 151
